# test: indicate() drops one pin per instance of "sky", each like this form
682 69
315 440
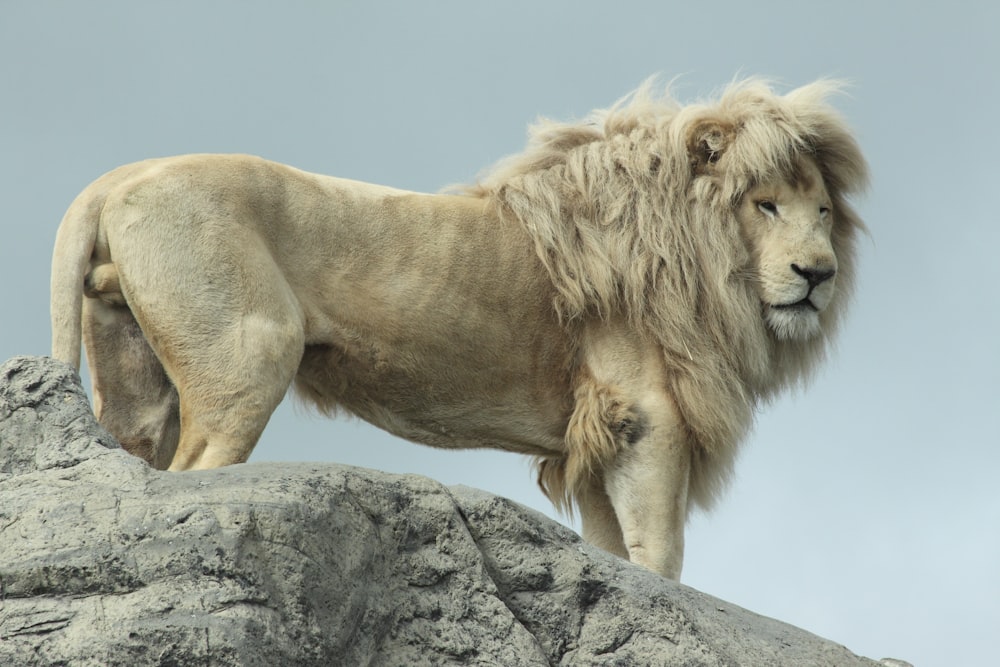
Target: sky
865 507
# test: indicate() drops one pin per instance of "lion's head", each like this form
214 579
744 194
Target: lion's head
779 169
788 224
646 194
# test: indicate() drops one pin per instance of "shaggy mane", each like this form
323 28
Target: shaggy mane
632 212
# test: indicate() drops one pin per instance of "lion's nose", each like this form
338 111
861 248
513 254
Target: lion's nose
813 276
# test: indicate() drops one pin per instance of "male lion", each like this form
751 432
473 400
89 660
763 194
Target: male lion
614 301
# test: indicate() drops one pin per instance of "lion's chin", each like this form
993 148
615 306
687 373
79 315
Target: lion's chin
798 322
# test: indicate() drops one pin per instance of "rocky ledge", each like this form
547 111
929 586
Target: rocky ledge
104 561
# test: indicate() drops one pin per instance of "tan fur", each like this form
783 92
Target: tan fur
615 301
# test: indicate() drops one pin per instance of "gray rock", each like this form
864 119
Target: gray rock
104 561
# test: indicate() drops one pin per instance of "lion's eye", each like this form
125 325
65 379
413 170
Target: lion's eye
768 207
824 211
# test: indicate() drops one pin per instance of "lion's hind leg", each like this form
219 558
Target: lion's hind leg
229 390
229 333
133 397
223 416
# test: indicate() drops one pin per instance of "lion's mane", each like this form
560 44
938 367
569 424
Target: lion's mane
632 213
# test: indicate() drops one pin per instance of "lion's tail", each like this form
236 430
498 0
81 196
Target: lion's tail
74 246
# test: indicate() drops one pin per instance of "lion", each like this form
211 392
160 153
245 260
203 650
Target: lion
616 301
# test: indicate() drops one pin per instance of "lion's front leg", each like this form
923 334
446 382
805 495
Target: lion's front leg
599 524
628 457
648 488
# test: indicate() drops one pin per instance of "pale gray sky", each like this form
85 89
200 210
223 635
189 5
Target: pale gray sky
866 509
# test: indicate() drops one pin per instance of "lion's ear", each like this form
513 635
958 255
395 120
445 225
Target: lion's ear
707 140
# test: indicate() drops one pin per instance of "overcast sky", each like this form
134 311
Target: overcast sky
866 508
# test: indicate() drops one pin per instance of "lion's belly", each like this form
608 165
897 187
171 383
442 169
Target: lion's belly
446 397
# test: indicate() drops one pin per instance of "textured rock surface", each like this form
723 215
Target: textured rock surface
104 561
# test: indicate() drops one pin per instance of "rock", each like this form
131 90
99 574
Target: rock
104 561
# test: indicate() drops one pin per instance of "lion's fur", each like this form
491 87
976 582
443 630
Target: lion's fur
595 301
626 223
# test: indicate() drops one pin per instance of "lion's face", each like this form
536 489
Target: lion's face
787 226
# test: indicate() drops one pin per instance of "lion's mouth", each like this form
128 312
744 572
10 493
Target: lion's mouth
803 304
797 320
